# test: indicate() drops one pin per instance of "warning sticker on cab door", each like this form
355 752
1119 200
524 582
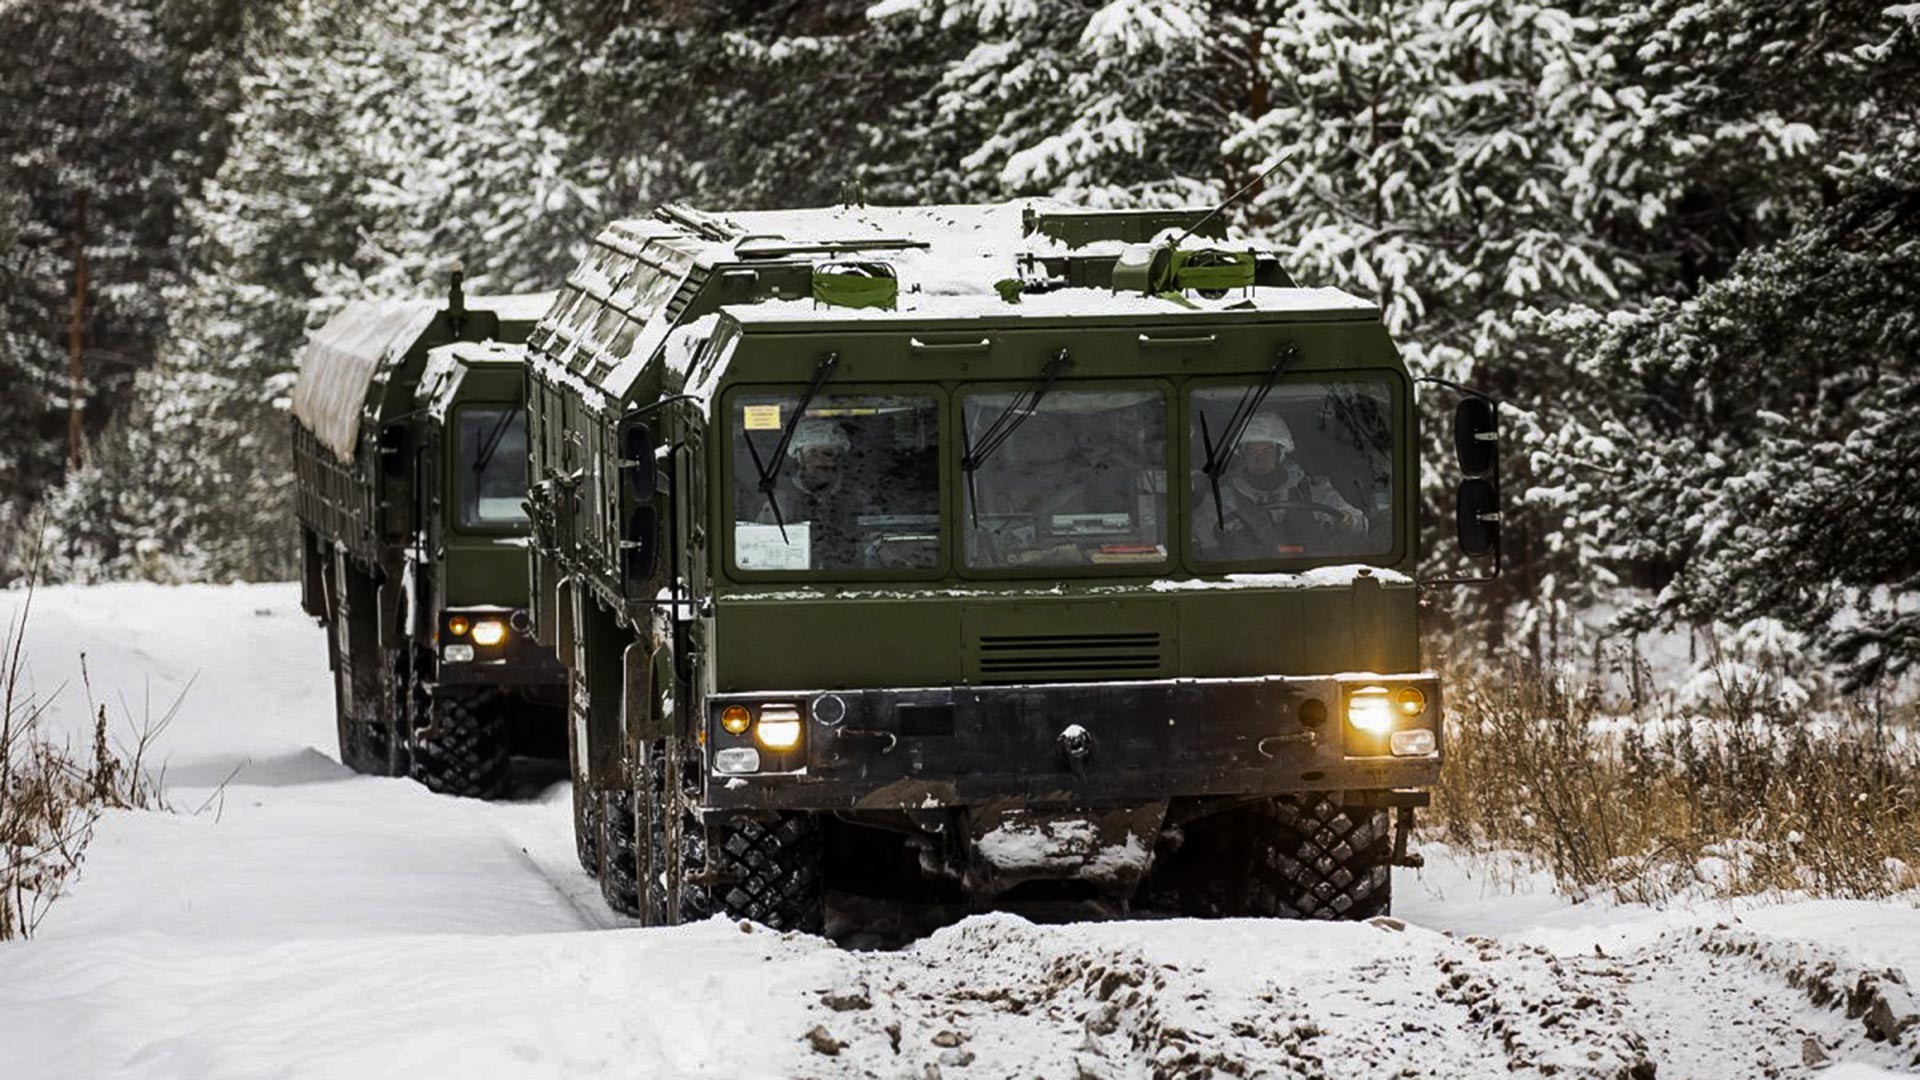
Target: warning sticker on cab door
762 418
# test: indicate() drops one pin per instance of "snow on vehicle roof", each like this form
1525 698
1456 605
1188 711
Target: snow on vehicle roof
344 356
446 365
1060 304
957 250
514 307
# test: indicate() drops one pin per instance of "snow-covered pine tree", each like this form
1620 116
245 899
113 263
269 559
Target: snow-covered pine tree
1708 450
374 148
95 156
1123 103
736 103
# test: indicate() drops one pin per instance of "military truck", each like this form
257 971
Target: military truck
409 447
1017 555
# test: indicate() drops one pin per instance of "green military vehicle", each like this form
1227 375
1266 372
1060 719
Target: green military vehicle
1016 555
409 445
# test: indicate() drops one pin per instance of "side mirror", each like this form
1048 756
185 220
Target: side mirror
1477 517
637 467
393 449
638 552
1476 448
1476 436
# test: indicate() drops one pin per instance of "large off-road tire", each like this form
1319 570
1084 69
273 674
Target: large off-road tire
586 827
1326 861
1293 857
619 853
766 868
464 748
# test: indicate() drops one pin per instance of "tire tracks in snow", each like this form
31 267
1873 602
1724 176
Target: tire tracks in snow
998 997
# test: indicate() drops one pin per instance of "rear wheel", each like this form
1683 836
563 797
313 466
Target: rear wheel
1294 857
619 853
463 749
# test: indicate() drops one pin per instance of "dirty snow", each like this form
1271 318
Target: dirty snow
301 921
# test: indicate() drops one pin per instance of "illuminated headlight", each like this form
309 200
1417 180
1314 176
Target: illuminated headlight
778 727
735 760
489 632
457 654
1370 710
1414 742
1409 701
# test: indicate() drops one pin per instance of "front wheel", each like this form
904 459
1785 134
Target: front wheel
464 749
767 868
1292 857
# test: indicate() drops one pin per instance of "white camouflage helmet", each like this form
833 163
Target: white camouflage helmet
812 434
1266 428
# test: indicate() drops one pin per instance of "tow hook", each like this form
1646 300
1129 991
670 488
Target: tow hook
1402 828
1298 738
1076 745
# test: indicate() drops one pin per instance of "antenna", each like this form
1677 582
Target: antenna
1231 199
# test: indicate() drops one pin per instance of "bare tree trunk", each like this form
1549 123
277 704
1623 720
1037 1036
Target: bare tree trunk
76 334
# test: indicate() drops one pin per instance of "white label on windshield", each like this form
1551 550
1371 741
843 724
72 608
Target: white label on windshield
760 547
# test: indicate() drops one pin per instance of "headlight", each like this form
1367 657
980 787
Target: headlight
489 632
457 654
778 727
1369 710
1414 742
735 760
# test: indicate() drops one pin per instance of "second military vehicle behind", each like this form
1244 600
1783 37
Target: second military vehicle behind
410 459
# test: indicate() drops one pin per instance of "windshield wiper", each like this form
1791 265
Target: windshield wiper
770 476
1219 455
491 444
1018 410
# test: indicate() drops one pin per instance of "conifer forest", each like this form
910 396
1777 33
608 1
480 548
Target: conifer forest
1679 240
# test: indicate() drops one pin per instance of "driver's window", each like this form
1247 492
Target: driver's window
857 486
1310 475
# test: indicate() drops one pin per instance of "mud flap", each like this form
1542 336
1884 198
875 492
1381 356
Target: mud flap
1110 850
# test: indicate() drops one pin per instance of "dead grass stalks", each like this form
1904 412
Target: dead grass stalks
1747 795
52 796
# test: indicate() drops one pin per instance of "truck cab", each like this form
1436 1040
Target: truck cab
1017 555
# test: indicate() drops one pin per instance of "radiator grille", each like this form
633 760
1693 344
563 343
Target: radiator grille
1032 658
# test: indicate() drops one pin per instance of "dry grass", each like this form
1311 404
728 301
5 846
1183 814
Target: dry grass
1744 796
52 796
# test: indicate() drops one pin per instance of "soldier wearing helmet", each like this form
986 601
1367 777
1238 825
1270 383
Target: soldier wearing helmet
812 490
1270 505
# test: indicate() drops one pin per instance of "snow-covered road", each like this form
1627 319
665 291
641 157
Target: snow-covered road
306 922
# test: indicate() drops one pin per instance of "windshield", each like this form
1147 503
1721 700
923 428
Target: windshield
492 467
1311 476
857 488
1083 481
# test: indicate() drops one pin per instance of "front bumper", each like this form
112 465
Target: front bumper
1077 744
